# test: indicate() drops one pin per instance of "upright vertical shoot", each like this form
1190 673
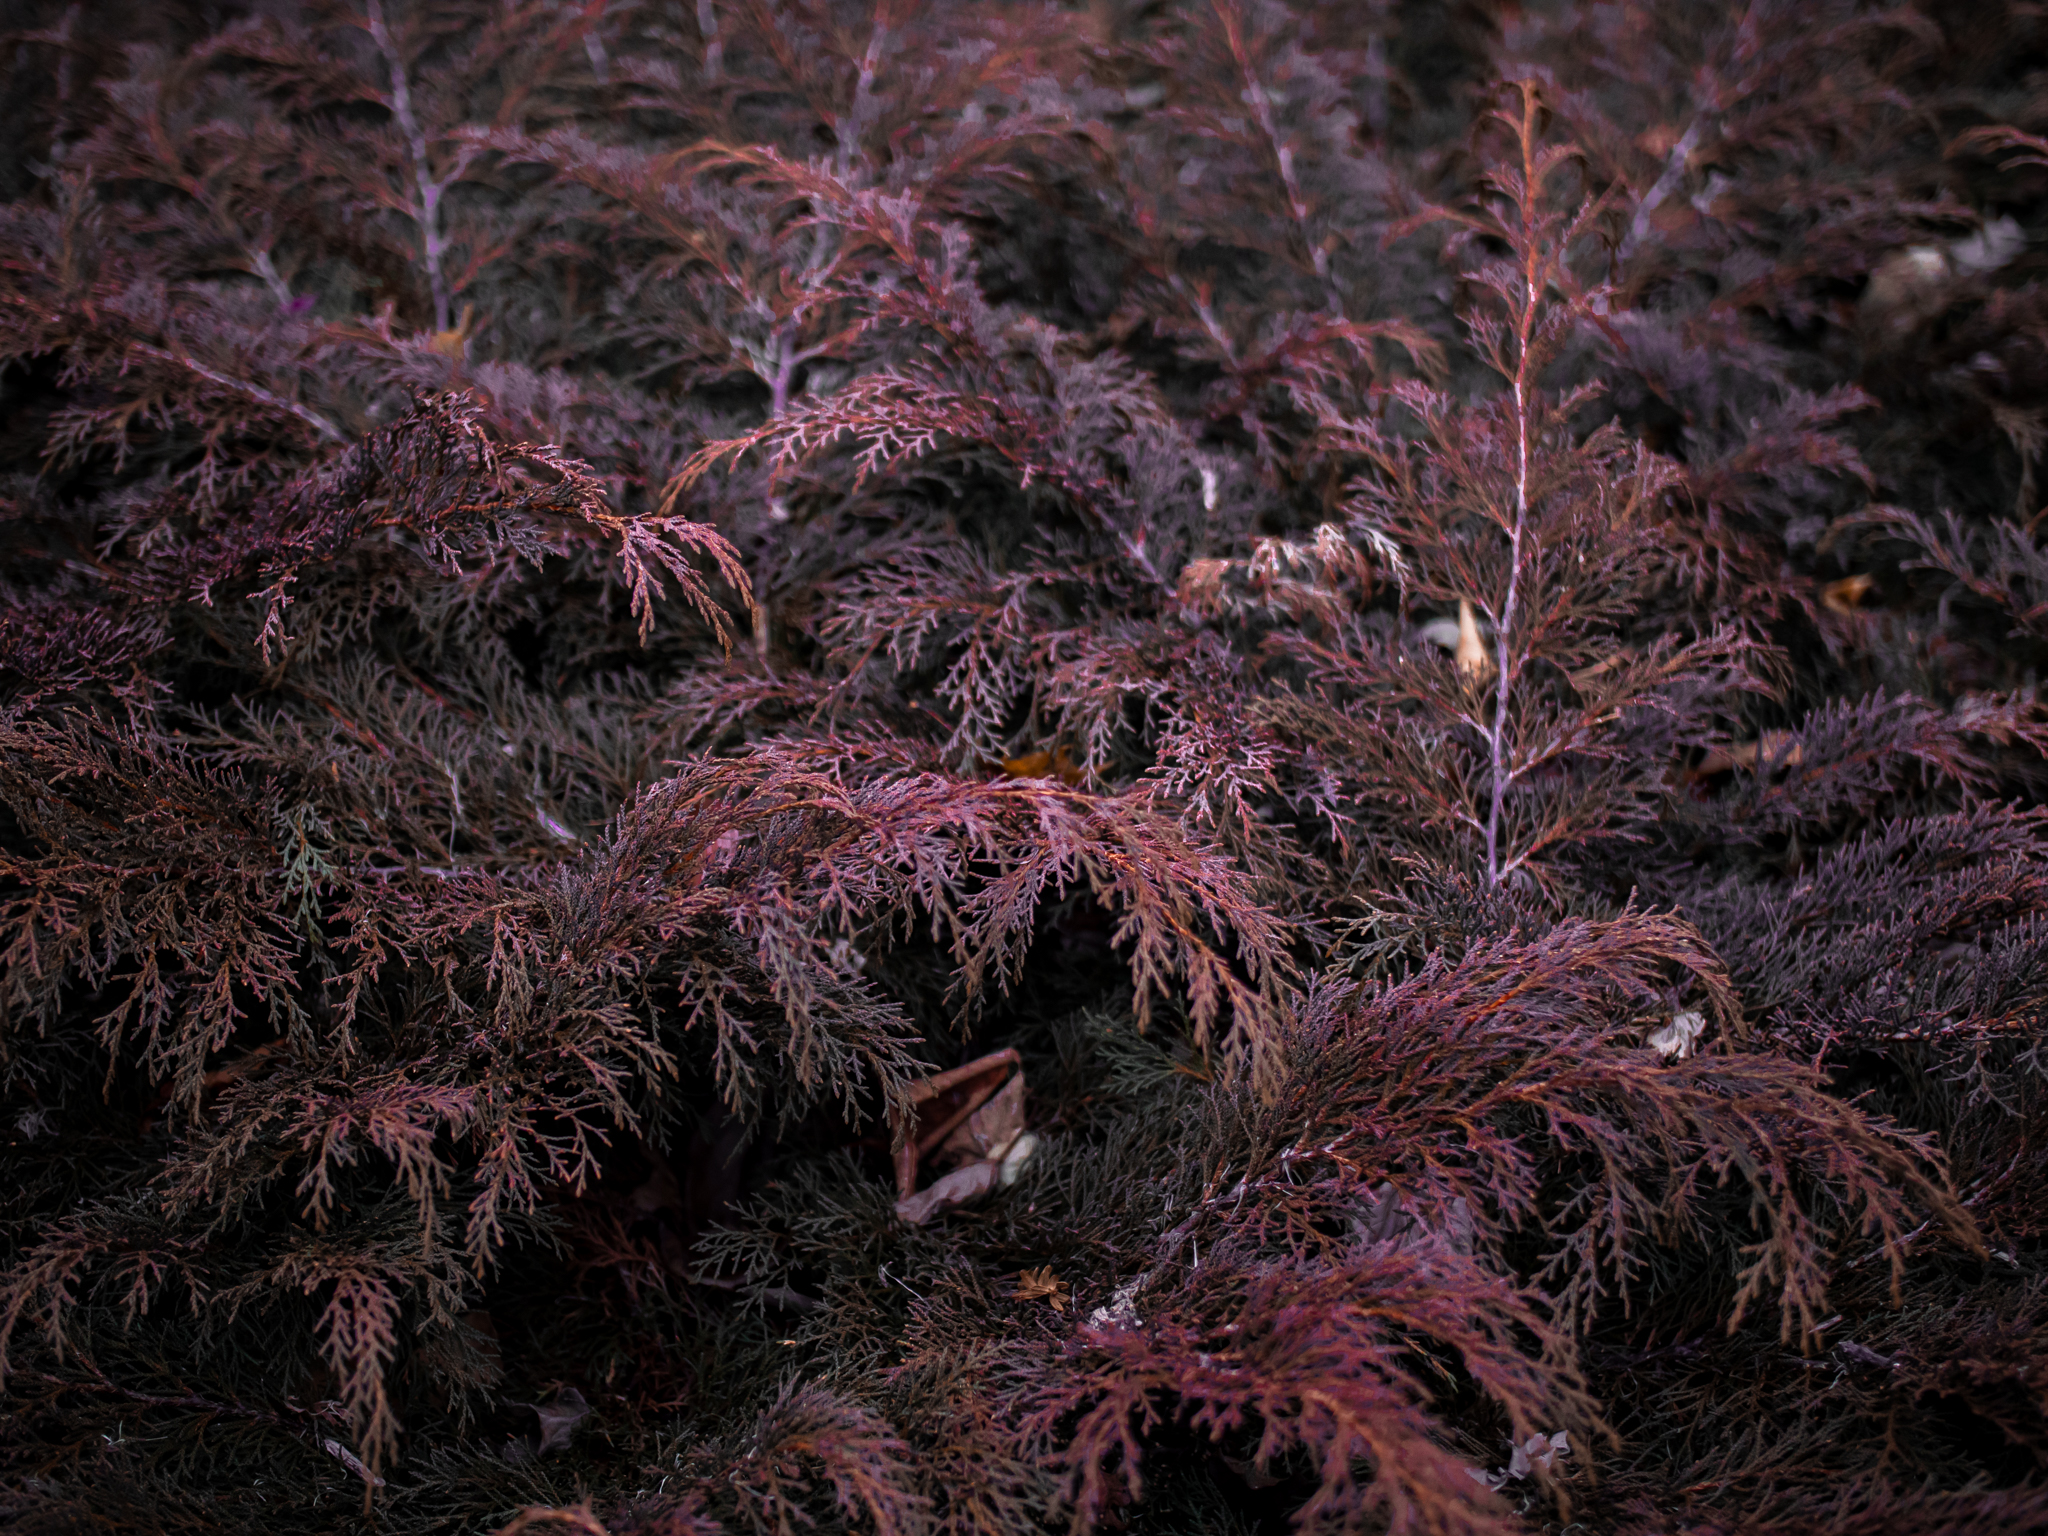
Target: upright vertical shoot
424 202
1507 514
1539 262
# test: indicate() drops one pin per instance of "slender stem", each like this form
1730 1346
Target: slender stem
593 50
1504 621
847 129
265 268
243 387
785 361
426 190
707 28
1283 158
1667 183
292 1418
785 358
64 35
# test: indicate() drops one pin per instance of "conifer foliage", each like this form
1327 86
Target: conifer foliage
881 766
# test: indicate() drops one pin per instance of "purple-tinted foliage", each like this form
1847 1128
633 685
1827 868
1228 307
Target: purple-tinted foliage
1426 616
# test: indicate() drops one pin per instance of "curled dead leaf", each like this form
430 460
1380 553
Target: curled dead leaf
1908 287
1916 283
1201 585
558 1417
1845 595
972 1115
1011 1168
1322 575
1057 764
989 1131
1473 663
957 1188
942 1102
1776 749
453 344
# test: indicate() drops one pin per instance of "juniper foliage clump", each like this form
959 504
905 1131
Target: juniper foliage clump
1415 627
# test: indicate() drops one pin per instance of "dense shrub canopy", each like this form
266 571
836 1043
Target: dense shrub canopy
1158 765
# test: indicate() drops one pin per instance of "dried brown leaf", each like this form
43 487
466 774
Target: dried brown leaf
1042 1285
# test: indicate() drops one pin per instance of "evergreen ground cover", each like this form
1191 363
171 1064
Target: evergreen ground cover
1180 766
